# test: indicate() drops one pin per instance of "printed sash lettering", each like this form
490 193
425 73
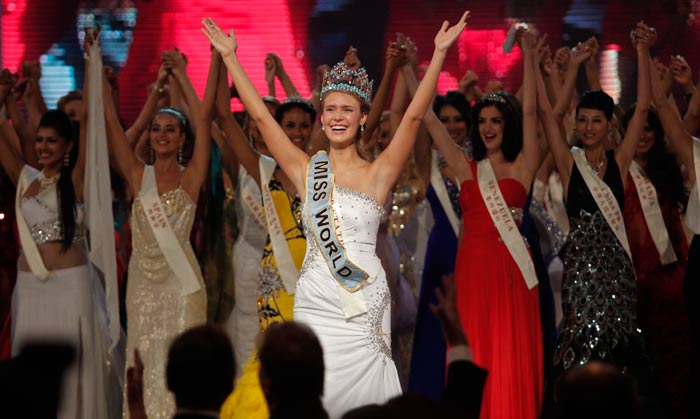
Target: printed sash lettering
164 234
251 196
505 224
652 214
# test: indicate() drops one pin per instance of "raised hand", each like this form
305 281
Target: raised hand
225 44
351 59
395 55
31 70
561 58
7 82
529 44
493 85
447 35
579 54
681 71
320 74
270 68
541 49
467 81
173 60
593 46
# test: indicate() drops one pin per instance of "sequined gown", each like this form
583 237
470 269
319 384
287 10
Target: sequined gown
500 315
274 305
428 360
356 351
599 290
661 308
156 312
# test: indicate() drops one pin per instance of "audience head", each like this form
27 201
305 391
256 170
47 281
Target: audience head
596 390
201 368
497 124
291 365
453 110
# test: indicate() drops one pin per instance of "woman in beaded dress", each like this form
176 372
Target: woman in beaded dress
429 348
271 300
497 295
599 286
165 292
55 297
353 327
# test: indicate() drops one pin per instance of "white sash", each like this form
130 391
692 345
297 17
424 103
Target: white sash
692 212
250 193
98 194
30 249
285 264
503 219
604 198
164 234
440 189
652 214
554 203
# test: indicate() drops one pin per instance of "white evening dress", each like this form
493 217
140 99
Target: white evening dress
356 351
243 325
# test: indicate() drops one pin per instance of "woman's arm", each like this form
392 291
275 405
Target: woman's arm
388 166
292 160
174 61
196 171
155 93
576 56
25 137
590 64
624 154
683 75
281 73
33 99
10 159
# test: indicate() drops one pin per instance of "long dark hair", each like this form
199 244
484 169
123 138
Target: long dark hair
511 110
66 129
662 169
457 101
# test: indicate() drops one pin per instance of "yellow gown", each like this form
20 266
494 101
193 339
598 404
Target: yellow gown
274 305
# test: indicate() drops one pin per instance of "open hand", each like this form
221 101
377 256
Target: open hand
225 44
447 35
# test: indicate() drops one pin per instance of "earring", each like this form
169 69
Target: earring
362 128
151 156
179 156
66 159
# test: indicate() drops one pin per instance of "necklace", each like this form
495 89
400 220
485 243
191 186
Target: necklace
597 168
46 182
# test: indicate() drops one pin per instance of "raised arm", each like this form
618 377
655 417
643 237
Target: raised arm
155 92
25 137
533 151
395 57
683 76
33 99
234 137
575 57
196 171
283 77
11 161
590 65
624 154
292 160
175 62
389 164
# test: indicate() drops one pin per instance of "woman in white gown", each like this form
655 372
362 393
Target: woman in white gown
349 313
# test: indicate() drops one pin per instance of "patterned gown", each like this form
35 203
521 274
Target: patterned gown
156 312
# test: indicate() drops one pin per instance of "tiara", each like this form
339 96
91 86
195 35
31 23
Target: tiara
343 79
494 97
298 99
176 113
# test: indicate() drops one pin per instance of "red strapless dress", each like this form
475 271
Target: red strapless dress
500 315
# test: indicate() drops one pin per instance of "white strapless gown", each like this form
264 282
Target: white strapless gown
357 351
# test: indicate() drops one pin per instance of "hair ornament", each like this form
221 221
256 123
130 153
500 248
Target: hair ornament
298 99
342 78
494 97
176 113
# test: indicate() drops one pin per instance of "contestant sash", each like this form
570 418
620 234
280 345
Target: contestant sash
652 214
285 264
30 249
165 236
503 219
250 193
440 189
692 212
554 201
348 276
604 198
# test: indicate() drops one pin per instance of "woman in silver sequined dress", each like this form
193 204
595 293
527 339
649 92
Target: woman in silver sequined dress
599 285
157 307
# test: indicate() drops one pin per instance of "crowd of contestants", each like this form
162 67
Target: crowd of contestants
551 230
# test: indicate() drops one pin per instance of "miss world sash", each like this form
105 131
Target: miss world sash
652 214
505 224
319 187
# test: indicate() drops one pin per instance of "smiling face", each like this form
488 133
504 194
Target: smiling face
491 125
648 139
342 117
592 127
455 123
297 125
166 137
51 148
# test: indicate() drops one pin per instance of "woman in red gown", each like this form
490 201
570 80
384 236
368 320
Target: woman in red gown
498 309
661 311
